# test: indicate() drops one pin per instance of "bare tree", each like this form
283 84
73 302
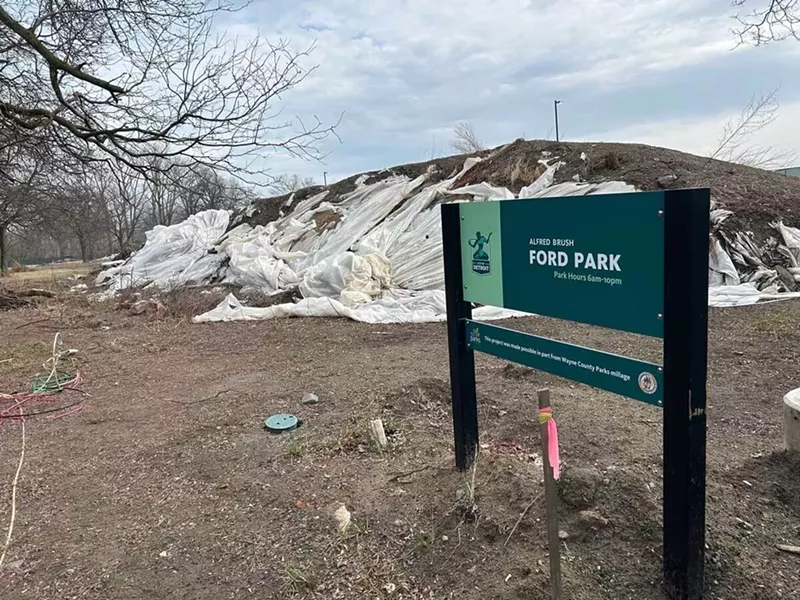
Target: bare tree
126 202
21 204
771 21
733 145
105 80
465 140
286 184
164 192
19 208
206 189
79 210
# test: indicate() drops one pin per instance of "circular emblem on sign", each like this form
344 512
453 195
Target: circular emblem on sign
648 383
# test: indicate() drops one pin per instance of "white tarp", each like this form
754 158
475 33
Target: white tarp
542 183
721 270
254 262
745 294
172 255
791 239
376 254
484 191
401 307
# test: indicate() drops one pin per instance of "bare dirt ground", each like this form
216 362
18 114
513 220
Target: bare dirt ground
167 485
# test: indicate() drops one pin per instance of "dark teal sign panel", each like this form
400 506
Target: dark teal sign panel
592 259
635 379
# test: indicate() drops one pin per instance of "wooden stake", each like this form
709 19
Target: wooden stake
551 497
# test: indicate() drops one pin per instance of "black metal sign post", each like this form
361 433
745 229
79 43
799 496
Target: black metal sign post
685 357
685 325
462 359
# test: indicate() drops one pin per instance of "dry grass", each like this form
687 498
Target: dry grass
185 303
50 277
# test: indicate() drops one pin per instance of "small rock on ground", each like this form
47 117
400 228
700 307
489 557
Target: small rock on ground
342 518
590 519
666 180
578 487
310 399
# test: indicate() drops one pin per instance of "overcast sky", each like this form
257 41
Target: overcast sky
404 72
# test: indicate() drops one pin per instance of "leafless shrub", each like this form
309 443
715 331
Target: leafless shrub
760 112
465 140
288 183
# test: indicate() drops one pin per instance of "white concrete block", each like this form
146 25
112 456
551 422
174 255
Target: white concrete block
791 420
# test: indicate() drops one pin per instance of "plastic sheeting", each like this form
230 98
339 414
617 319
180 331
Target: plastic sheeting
721 270
484 191
791 239
357 277
173 255
745 294
425 307
736 258
569 188
376 254
254 262
542 183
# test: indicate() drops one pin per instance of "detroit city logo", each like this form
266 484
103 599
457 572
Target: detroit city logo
480 257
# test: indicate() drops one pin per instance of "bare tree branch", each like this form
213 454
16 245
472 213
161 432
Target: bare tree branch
465 140
132 80
760 112
773 21
286 184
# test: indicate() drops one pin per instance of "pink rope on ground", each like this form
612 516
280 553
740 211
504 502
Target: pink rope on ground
22 397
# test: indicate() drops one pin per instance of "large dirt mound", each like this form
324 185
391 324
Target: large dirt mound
372 242
756 197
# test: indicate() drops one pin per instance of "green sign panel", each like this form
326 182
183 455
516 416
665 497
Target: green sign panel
635 379
592 259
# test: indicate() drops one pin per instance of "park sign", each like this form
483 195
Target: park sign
634 262
592 259
635 379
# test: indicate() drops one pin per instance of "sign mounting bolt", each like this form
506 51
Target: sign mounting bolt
661 213
660 317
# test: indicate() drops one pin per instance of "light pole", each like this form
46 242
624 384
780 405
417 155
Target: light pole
555 108
325 178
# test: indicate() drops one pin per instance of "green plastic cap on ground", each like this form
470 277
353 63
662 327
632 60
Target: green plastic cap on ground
281 422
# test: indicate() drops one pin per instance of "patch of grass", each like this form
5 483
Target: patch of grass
294 449
424 539
776 320
175 302
26 351
187 302
297 579
355 435
48 276
20 362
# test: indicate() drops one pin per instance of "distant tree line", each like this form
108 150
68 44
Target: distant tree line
104 210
